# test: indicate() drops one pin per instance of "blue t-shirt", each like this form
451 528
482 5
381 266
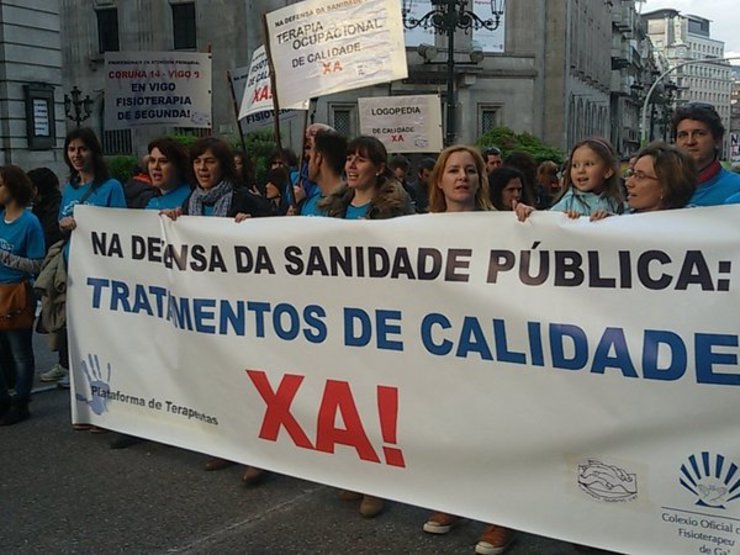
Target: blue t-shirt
734 199
357 212
170 199
716 190
23 237
108 193
310 206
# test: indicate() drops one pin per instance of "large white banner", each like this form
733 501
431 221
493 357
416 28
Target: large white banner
573 379
157 88
320 47
403 123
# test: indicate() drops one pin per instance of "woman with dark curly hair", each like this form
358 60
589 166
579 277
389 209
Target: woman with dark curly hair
215 193
168 167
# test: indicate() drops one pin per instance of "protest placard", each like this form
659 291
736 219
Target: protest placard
320 47
403 123
256 96
157 88
558 376
256 109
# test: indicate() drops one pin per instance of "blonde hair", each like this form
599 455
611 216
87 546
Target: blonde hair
437 201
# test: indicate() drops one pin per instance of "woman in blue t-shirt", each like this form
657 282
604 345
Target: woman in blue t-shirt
89 183
22 251
89 180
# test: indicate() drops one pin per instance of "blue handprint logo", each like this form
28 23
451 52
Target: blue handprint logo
99 388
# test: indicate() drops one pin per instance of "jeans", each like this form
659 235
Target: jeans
18 354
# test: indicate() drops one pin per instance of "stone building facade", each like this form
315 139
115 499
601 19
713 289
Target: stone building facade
683 38
554 78
31 98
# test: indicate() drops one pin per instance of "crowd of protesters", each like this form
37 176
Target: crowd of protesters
337 177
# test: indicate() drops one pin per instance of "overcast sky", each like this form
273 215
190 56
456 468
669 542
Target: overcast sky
724 15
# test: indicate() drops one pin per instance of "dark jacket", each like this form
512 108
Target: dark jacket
138 192
47 211
390 201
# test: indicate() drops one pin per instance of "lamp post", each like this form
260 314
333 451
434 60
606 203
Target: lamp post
446 17
643 120
77 109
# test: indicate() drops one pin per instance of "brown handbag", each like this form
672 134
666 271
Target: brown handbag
16 306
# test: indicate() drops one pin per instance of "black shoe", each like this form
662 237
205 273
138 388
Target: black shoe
122 441
4 405
18 413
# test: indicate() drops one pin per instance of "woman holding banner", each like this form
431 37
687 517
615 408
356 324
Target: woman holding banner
371 192
459 184
89 183
215 193
664 177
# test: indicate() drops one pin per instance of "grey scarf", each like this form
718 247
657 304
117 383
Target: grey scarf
219 197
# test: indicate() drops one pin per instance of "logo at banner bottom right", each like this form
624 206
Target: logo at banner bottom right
711 479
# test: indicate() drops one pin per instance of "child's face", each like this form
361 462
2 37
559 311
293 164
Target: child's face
588 171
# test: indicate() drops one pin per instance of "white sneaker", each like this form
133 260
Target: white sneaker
56 373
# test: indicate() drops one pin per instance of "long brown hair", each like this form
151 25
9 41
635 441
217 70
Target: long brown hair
437 201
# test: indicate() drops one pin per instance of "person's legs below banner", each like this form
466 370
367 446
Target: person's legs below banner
20 354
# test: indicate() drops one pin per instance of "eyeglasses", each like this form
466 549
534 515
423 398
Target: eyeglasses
638 175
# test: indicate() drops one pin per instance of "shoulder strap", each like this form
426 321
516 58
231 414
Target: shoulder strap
90 191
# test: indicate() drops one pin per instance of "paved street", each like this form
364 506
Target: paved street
63 491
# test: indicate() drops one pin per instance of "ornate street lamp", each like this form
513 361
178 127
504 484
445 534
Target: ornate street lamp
446 17
77 109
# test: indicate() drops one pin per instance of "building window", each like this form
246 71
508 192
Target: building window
343 119
183 25
117 141
193 131
108 30
488 118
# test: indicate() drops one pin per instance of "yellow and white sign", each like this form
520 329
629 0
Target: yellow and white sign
403 123
320 47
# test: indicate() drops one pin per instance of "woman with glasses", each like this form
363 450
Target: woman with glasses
663 178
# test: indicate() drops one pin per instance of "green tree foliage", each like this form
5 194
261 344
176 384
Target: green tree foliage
509 141
122 167
260 146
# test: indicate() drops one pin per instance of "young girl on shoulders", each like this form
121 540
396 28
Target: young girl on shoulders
592 186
